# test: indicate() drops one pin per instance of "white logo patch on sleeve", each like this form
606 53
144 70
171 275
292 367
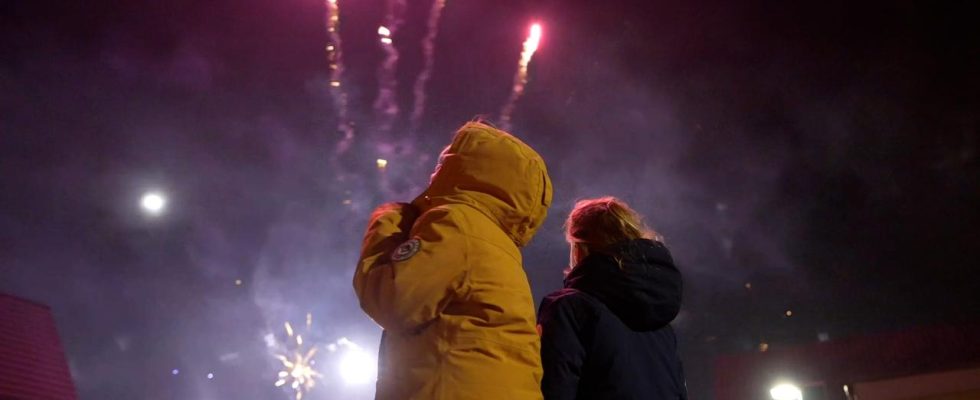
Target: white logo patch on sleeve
406 250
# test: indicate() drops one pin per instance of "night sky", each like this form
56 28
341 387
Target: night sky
823 153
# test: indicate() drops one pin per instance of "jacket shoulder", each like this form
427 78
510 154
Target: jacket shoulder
446 214
570 300
480 229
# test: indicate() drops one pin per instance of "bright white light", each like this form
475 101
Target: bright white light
153 203
384 31
357 367
534 38
786 391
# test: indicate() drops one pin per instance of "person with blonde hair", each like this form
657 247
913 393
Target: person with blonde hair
606 334
444 277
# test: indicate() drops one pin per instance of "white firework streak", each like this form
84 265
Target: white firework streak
428 52
335 60
386 104
520 78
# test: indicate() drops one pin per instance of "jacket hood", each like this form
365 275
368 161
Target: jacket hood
497 174
643 288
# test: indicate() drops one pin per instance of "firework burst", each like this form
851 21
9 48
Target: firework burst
297 358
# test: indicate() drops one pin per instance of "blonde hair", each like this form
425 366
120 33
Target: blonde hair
596 224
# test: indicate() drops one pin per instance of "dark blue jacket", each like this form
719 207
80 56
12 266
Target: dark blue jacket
606 334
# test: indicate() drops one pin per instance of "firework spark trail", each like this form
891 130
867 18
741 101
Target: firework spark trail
335 60
386 104
520 78
428 52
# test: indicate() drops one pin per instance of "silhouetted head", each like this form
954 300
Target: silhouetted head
594 225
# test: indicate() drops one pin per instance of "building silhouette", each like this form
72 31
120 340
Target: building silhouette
32 363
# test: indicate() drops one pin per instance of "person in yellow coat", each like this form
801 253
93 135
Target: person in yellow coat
444 277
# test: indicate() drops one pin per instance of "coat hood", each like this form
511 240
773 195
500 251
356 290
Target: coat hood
495 173
635 279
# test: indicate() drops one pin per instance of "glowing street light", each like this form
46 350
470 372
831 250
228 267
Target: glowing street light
357 367
786 391
153 203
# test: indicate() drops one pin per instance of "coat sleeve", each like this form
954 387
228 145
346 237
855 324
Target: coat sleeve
562 348
409 269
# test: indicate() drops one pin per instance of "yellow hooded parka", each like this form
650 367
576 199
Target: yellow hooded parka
444 276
